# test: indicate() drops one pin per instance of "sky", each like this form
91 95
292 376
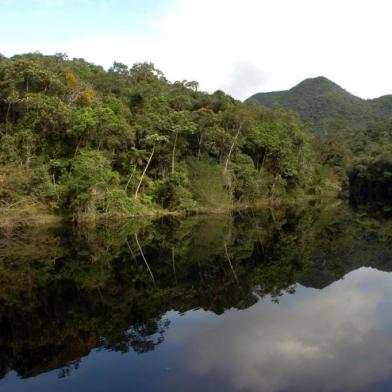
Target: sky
239 46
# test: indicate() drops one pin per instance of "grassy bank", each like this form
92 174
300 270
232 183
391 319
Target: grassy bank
35 214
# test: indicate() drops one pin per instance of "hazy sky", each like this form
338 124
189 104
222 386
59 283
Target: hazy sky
240 46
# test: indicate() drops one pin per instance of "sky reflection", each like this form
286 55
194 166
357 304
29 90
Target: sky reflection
338 338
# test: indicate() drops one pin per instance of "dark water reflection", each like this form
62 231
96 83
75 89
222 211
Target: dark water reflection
250 302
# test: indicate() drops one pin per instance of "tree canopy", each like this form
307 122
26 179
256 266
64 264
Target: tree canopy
86 141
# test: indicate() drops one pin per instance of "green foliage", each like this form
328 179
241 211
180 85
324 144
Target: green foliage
86 185
42 183
370 171
173 191
97 142
15 183
354 141
321 103
246 175
117 202
207 184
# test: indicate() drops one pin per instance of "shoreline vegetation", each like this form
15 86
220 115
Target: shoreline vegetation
15 218
83 144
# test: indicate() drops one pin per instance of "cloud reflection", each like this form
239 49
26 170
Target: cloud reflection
338 338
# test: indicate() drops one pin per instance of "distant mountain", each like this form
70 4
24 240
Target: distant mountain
322 103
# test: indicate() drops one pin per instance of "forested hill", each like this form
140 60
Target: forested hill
77 140
323 104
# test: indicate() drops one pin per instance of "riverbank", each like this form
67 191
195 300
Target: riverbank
30 215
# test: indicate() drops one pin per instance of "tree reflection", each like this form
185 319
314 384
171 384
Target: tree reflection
65 292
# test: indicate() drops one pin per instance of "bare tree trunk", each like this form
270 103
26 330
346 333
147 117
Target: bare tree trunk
263 161
272 214
199 147
77 147
174 152
130 178
7 115
231 265
54 183
144 172
145 261
232 148
273 191
130 249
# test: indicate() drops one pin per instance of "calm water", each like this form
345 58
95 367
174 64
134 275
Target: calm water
277 300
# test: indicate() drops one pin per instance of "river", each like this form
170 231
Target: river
291 299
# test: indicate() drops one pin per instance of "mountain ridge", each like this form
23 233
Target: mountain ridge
321 103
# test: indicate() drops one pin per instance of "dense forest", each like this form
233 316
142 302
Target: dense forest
353 135
79 141
322 103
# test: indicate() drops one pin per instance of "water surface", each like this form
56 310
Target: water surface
278 300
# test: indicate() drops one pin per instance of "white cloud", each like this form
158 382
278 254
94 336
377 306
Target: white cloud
288 40
243 78
223 44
